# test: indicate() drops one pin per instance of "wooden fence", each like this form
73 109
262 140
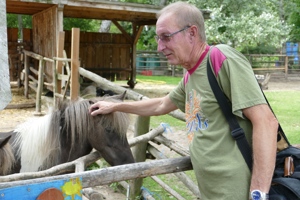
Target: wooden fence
134 172
264 63
139 151
35 183
153 63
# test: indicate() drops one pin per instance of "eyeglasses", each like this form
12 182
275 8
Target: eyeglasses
167 37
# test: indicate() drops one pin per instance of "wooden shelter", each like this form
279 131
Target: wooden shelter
106 54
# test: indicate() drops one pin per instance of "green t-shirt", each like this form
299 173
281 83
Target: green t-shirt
217 161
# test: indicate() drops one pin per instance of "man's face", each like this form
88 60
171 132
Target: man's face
172 40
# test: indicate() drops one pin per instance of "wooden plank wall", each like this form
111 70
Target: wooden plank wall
44 37
14 49
105 54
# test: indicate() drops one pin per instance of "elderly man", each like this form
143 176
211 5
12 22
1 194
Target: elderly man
220 168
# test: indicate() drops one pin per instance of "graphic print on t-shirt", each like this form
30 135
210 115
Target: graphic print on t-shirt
195 119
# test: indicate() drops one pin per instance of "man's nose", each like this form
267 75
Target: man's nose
160 46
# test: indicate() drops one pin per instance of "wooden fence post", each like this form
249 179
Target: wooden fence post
60 54
75 64
139 153
286 66
26 74
39 87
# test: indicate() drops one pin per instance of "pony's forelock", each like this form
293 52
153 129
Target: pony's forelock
118 121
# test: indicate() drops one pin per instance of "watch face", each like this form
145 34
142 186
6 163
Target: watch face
256 195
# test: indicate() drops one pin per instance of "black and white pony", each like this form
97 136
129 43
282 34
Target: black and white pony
65 134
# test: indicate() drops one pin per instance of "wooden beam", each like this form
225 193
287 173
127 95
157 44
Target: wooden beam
40 87
26 74
20 105
33 55
60 54
114 174
139 153
137 30
75 63
126 35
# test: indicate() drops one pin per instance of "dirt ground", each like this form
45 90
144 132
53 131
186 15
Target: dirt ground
10 118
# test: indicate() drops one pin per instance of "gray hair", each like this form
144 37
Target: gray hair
185 14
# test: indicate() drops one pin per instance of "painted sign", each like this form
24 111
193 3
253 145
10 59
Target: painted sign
70 189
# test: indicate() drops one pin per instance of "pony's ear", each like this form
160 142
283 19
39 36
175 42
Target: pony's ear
91 102
120 96
4 141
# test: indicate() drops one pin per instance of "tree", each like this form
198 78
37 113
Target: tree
12 21
245 24
294 20
5 93
84 24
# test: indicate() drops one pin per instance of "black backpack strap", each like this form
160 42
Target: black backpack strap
236 131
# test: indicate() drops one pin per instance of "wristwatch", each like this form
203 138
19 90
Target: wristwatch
258 195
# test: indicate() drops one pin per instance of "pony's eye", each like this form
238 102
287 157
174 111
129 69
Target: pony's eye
108 129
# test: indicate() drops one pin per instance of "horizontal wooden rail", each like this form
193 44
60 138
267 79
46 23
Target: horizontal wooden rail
271 69
110 175
33 55
109 69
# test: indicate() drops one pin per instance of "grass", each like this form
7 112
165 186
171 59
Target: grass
159 79
286 106
169 80
160 194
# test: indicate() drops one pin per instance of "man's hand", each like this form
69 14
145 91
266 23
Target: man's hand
101 107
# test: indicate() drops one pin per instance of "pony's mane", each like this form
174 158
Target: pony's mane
33 143
8 159
118 121
85 123
74 118
38 141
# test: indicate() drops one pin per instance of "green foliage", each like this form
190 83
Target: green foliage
246 24
147 40
93 166
260 49
89 25
250 26
12 21
294 20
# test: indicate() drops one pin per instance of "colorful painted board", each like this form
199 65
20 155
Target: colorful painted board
70 189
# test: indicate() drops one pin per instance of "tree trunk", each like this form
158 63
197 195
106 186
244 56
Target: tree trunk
105 26
5 93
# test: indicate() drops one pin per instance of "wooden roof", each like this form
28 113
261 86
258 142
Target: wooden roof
141 14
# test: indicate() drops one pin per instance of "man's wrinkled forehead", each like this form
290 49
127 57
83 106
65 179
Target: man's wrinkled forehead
165 23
